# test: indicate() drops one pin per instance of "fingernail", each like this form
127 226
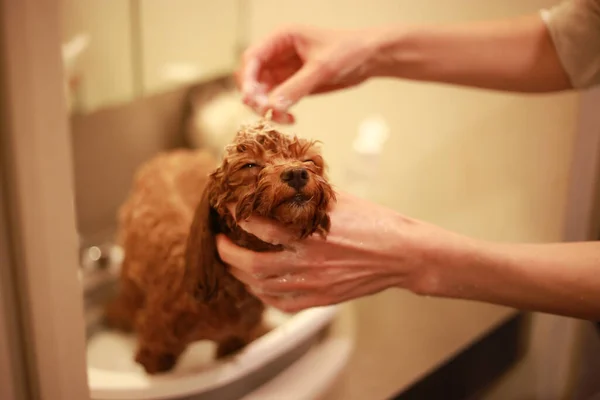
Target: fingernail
285 118
251 102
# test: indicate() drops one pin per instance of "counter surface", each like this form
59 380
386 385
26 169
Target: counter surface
400 338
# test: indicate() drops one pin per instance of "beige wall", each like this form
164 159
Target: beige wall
185 40
106 66
144 47
109 145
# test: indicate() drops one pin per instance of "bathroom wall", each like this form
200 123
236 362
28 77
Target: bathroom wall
135 48
490 165
186 40
109 145
106 66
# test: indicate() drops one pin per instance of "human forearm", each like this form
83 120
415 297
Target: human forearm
512 55
562 278
371 248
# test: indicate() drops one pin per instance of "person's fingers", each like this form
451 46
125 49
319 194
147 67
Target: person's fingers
282 117
267 285
280 284
277 44
326 88
251 86
265 229
255 96
259 265
254 92
300 84
266 65
250 280
258 102
268 231
293 302
237 256
276 47
260 76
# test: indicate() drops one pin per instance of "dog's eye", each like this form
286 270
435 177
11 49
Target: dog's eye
317 161
249 165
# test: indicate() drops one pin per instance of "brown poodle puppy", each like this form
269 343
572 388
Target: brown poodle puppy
174 288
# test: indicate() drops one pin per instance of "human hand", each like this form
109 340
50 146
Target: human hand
295 62
369 249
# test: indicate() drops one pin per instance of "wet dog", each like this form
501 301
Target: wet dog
175 289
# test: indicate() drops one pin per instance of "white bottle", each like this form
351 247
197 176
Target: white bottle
73 80
362 171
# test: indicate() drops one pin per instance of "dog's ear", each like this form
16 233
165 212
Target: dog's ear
204 269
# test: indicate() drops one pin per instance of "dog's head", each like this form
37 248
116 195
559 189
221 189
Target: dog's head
267 173
273 175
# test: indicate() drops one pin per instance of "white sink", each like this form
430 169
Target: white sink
112 373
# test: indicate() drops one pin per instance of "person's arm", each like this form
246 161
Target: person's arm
516 55
562 278
371 248
550 51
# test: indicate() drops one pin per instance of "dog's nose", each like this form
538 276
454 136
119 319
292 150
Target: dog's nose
295 177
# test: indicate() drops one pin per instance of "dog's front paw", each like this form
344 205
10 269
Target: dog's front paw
155 362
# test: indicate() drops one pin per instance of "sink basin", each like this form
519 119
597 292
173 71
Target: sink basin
113 374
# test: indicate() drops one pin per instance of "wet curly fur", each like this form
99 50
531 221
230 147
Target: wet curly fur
174 289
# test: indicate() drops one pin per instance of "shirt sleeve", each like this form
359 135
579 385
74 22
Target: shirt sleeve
574 26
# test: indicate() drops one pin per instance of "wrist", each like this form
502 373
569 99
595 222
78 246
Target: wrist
394 52
446 264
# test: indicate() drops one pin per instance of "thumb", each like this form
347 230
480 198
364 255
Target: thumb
265 229
301 84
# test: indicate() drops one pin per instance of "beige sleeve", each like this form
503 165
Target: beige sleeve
574 26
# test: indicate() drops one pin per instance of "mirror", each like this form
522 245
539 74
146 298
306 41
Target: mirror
121 50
